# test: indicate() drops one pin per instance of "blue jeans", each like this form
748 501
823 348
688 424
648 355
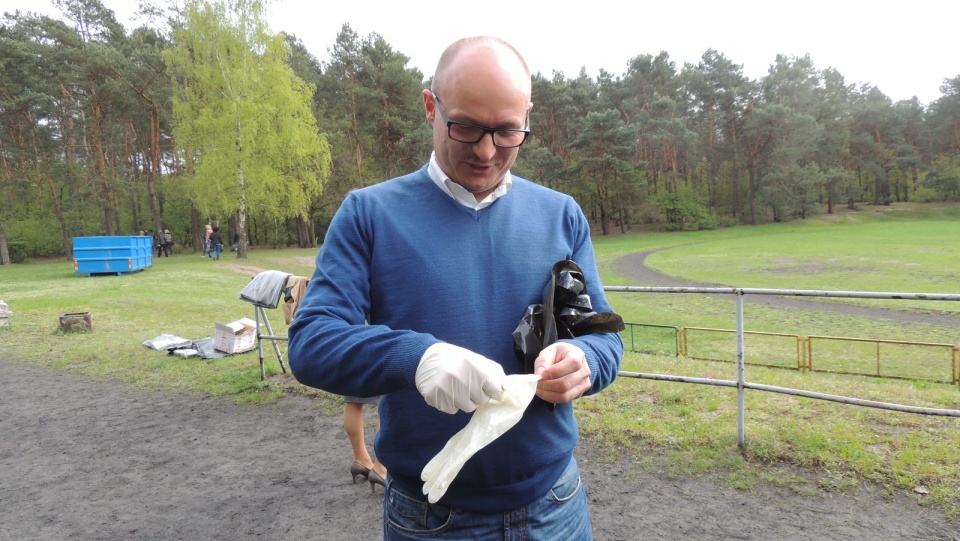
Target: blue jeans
217 248
560 514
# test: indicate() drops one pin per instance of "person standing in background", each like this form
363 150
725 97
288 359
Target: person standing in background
158 239
363 464
206 239
167 242
216 243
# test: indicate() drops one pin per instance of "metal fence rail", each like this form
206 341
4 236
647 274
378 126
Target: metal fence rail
741 384
934 362
798 363
649 345
951 351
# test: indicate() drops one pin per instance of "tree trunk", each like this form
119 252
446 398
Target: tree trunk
54 196
135 205
242 229
41 165
624 217
602 205
108 217
242 216
304 238
118 223
737 204
4 251
152 163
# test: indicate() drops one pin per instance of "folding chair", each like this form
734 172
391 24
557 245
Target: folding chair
264 291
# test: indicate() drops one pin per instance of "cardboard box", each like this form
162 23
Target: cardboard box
236 337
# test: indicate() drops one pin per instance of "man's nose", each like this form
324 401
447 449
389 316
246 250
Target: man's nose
485 148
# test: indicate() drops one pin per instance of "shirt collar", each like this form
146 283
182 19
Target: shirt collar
459 193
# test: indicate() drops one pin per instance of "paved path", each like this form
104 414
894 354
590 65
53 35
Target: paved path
633 267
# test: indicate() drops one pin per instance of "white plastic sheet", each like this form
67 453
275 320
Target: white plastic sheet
489 422
166 342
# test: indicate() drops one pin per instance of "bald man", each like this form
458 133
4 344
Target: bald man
420 283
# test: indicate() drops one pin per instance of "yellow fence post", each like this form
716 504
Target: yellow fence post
801 353
681 341
956 365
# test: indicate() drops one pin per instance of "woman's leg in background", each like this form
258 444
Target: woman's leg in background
353 425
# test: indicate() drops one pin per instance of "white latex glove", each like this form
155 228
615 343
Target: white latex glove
452 378
488 423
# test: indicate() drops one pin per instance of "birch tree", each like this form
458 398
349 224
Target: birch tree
244 116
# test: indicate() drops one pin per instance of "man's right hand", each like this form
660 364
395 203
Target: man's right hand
452 378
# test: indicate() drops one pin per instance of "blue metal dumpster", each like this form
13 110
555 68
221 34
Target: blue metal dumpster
112 255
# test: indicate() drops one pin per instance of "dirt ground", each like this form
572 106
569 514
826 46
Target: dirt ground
87 459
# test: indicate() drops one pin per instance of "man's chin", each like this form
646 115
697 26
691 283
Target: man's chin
478 183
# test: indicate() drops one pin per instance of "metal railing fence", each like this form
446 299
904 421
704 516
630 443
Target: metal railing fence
741 384
927 361
921 366
795 363
653 339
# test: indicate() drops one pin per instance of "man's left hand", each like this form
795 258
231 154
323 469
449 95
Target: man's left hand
564 373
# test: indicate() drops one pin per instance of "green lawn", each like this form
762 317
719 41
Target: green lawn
806 444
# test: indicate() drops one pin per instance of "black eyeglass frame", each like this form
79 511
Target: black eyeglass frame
484 130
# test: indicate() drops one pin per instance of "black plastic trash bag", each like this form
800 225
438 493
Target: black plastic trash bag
566 312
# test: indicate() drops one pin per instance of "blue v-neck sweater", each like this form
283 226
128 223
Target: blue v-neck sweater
404 266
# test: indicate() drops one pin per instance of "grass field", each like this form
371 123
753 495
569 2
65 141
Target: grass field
802 443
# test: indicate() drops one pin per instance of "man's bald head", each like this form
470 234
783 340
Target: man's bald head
480 52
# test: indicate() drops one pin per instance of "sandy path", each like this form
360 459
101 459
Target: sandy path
85 459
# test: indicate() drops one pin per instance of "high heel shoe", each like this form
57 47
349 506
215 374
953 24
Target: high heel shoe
375 479
359 469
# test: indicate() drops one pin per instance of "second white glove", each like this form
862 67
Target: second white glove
488 423
452 378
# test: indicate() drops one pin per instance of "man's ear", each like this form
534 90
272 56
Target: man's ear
429 106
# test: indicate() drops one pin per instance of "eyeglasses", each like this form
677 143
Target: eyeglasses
471 133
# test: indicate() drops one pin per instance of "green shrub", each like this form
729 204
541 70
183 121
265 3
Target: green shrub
684 210
35 239
923 194
18 251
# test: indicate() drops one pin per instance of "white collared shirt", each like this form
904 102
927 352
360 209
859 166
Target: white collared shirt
460 194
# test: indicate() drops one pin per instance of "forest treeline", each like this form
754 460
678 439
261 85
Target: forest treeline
92 142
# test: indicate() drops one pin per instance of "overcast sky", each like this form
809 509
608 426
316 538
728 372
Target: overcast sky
905 48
